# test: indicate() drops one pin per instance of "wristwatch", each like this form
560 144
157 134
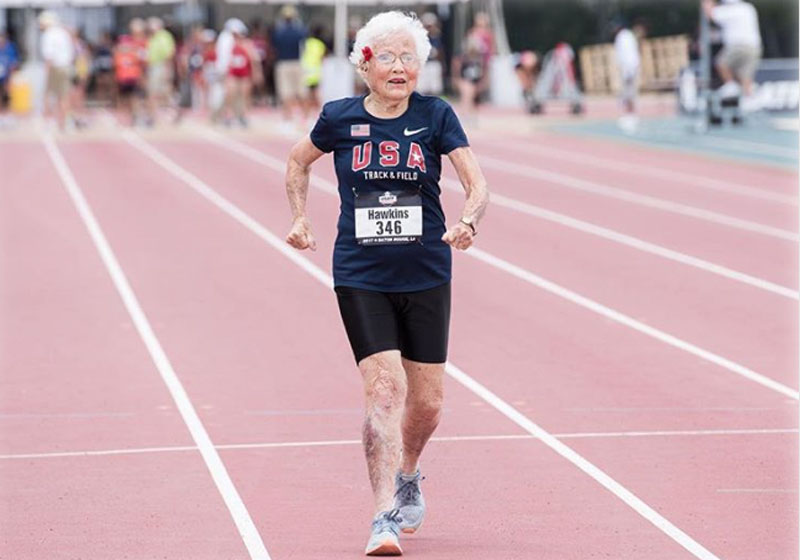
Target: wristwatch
468 222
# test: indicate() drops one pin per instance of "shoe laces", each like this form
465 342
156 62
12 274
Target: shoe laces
388 520
409 491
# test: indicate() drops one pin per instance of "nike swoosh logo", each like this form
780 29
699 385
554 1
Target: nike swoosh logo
407 132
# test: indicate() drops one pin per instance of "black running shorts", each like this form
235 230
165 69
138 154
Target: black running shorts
416 323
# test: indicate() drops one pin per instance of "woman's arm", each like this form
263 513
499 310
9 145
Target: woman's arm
469 172
298 169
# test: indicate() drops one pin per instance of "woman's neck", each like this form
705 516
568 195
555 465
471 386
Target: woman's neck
385 108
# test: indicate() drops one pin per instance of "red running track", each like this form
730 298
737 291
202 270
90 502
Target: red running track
257 344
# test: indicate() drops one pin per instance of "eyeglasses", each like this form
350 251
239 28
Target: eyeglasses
388 58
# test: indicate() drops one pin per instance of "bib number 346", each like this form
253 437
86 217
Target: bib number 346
390 217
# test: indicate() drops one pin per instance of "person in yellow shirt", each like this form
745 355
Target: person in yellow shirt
160 54
314 50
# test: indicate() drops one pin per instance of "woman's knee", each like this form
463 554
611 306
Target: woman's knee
385 385
427 409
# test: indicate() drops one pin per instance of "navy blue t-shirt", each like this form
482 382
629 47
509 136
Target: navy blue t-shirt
287 38
387 169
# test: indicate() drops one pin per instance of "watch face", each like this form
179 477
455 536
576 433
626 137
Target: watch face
469 224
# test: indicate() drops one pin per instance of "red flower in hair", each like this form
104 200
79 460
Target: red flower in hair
366 52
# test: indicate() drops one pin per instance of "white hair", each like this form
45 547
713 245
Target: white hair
389 23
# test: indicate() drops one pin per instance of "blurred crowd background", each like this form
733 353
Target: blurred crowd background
156 61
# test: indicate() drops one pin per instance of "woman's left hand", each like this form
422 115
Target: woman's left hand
458 236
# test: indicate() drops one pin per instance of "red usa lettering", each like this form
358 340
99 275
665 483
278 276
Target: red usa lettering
388 155
362 155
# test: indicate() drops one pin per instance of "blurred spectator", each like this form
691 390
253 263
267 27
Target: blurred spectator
469 73
58 53
483 38
160 54
741 44
526 67
244 71
626 53
431 78
223 53
265 91
9 60
354 23
189 67
81 71
128 74
209 72
103 70
287 38
314 50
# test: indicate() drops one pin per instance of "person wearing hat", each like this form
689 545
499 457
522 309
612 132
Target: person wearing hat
244 70
737 62
287 37
223 53
58 53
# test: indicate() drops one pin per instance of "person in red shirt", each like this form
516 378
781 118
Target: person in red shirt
243 72
128 72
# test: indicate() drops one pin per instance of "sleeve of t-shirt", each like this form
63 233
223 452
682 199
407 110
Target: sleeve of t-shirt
322 135
451 135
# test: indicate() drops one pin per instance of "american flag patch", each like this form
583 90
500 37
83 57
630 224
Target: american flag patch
359 130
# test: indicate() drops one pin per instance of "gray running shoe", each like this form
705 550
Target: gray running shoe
383 539
408 499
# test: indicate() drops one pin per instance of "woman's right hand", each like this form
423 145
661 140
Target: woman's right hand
300 236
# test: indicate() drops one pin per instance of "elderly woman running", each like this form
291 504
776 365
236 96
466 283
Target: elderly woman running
391 260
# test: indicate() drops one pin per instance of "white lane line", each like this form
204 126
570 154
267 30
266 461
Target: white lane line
757 491
649 171
442 439
244 523
677 409
100 452
66 415
630 241
546 285
630 322
635 198
672 433
662 523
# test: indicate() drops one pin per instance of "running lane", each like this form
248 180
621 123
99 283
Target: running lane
196 265
573 371
76 377
757 253
769 178
662 178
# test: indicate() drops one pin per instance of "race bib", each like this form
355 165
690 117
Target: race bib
388 218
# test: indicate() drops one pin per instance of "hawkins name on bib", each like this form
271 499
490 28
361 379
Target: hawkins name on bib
388 218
